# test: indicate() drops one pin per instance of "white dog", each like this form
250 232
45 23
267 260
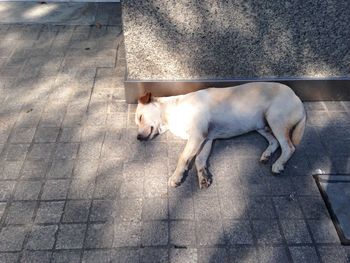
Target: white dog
272 109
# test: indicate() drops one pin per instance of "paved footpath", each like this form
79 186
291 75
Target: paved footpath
76 185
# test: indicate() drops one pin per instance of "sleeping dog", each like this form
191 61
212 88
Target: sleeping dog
271 109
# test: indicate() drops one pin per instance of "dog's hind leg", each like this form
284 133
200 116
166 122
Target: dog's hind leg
282 134
192 148
273 145
204 177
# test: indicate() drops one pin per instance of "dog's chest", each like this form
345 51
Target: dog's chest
179 128
178 121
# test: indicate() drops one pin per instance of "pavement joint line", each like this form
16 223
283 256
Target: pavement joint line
280 229
88 223
37 202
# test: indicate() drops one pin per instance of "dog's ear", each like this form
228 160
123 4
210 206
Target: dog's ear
145 98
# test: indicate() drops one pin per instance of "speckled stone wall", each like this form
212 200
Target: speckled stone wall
215 39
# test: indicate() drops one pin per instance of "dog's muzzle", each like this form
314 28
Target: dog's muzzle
141 137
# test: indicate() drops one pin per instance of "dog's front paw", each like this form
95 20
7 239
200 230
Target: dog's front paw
277 168
174 181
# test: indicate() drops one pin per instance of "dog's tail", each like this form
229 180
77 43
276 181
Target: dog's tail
298 131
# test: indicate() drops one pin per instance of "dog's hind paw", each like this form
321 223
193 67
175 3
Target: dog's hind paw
265 158
204 179
277 168
205 183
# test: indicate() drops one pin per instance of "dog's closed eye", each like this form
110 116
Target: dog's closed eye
140 118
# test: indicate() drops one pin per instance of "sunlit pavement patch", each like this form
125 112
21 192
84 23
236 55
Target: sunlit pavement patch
335 190
56 13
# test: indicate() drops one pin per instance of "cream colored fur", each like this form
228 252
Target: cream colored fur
199 117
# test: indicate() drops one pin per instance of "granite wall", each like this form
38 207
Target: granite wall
218 39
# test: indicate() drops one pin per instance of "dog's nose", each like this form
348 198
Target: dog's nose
139 137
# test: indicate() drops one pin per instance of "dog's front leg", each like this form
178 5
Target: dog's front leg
204 177
192 147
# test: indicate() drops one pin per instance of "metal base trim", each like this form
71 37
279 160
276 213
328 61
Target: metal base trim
308 89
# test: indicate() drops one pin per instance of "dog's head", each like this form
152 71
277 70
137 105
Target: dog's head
148 118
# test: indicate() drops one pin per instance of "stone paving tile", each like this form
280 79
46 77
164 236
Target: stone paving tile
55 189
155 209
9 257
22 135
233 207
185 191
182 208
295 231
323 231
27 190
183 233
127 234
34 169
99 236
81 189
333 254
272 254
85 169
183 255
12 237
64 256
306 185
28 120
101 210
132 187
36 256
128 210
66 151
16 152
91 256
49 119
242 254
304 254
261 208
107 186
42 237
155 187
287 208
313 207
280 185
46 134
154 255
70 134
90 150
123 255
76 211
71 236
49 212
154 233
267 235
61 169
206 208
209 233
6 189
20 213
238 232
2 208
42 151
